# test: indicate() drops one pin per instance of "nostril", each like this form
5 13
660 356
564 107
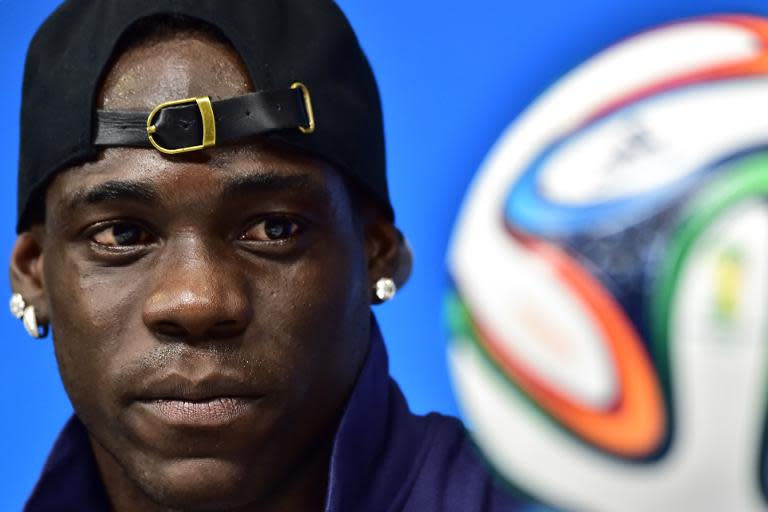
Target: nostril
225 329
171 329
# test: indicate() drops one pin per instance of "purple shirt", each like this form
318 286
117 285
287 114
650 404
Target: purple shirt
384 459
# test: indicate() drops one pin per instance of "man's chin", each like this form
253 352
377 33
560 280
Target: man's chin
195 484
197 469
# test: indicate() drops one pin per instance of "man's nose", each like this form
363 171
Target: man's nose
197 296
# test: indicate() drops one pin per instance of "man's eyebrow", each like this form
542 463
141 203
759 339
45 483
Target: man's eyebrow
114 191
273 182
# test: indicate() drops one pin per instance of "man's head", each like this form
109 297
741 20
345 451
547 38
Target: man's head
210 311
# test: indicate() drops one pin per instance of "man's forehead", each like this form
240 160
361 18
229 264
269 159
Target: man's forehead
224 173
183 64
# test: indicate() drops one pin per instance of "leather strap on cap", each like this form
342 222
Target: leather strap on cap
181 126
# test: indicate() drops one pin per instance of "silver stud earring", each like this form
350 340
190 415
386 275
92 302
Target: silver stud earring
26 314
385 289
17 305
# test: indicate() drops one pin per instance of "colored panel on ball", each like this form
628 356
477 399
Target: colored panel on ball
636 424
626 167
747 179
583 154
741 190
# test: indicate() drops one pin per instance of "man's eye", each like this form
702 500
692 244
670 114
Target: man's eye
271 229
122 234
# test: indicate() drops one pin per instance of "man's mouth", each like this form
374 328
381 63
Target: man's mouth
213 401
209 412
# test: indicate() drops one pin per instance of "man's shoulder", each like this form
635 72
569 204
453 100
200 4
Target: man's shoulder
445 470
386 458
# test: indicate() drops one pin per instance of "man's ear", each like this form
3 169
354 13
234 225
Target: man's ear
389 254
26 270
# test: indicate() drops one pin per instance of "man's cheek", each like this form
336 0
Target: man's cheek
94 301
93 321
79 368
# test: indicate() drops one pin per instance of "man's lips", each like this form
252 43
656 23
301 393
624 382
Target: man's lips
208 413
213 401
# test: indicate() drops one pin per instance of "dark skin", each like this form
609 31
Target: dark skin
240 275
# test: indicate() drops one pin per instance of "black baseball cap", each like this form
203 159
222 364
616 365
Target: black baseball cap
314 90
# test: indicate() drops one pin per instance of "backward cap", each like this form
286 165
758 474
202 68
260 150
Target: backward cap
280 42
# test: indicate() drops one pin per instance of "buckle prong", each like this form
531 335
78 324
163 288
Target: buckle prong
206 114
307 106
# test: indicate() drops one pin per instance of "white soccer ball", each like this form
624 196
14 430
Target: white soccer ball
609 314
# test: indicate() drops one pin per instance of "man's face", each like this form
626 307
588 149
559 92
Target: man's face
210 312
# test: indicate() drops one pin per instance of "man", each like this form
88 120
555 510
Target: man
204 224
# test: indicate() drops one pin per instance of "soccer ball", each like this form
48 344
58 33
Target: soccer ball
609 307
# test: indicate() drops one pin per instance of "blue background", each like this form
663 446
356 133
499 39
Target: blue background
453 74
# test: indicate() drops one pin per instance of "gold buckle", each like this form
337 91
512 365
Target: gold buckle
307 106
209 125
